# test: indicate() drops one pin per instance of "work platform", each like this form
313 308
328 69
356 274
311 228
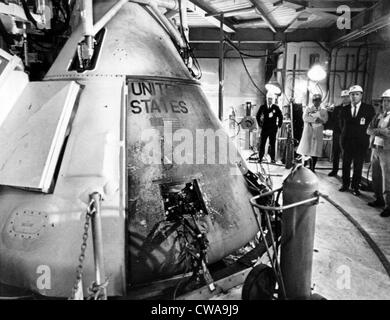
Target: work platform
352 242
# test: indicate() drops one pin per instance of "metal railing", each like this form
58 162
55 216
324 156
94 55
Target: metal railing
274 260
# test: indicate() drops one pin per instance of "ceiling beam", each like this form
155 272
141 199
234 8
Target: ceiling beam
249 23
288 27
258 5
210 50
192 6
233 12
309 7
324 8
328 4
260 35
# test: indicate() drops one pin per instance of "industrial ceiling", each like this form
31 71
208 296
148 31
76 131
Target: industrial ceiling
271 21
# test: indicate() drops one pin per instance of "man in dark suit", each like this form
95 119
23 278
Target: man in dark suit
354 120
333 124
270 118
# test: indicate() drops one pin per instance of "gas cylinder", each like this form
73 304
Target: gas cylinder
298 227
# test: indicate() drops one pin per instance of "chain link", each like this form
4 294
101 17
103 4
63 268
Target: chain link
79 271
96 291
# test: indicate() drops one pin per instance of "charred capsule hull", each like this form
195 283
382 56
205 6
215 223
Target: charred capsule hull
170 124
139 126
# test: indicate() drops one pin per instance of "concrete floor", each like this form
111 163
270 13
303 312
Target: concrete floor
344 265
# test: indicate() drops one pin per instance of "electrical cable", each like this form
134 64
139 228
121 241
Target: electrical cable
250 55
28 13
188 47
250 76
245 66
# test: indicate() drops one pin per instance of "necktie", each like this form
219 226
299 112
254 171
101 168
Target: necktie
354 111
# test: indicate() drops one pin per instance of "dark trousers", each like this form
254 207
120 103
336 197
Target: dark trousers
336 152
265 134
357 158
313 163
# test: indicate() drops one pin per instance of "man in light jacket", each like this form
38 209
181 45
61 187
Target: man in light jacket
312 141
379 130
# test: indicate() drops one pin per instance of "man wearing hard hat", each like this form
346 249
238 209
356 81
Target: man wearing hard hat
269 118
333 124
354 120
312 140
379 130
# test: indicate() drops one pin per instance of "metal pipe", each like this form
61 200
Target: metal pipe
284 74
346 70
167 4
271 260
291 103
184 18
97 238
277 265
170 28
108 16
25 45
365 69
305 71
335 72
290 206
293 75
86 14
357 64
221 69
328 74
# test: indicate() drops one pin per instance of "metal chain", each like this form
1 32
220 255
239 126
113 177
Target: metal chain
79 271
96 290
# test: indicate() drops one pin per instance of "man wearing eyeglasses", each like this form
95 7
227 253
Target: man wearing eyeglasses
354 120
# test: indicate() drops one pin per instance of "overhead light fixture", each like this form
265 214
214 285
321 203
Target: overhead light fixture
317 73
273 87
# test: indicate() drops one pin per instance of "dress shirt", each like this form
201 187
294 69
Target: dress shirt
353 112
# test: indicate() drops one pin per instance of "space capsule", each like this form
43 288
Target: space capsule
134 127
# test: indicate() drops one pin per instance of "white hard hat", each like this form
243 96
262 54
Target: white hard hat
344 93
386 94
356 89
317 96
